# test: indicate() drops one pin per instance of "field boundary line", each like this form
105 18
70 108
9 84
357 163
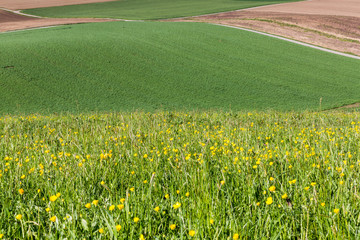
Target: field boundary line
290 40
18 12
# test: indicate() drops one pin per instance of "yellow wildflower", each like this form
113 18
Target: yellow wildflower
192 233
269 200
177 205
118 227
53 198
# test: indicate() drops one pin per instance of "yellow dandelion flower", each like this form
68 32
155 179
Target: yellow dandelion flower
177 205
236 236
118 227
18 217
156 209
258 204
211 221
272 189
53 198
336 210
172 226
187 194
53 219
47 209
269 200
112 207
285 196
313 184
292 181
88 205
95 202
22 177
167 196
136 219
306 188
141 237
101 230
323 204
271 179
21 191
1 235
192 233
120 206
58 194
122 200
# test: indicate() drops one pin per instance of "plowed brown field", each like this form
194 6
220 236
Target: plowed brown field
10 21
319 7
26 4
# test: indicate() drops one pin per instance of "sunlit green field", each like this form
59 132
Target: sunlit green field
177 175
145 9
127 66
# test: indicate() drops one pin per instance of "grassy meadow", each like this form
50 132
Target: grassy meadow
145 9
180 175
127 66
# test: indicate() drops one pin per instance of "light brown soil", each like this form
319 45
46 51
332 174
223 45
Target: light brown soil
341 33
26 4
11 21
318 7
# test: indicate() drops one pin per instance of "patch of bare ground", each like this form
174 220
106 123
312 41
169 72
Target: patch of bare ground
354 105
10 21
340 33
350 8
26 4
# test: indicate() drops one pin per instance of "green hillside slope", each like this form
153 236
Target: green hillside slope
145 9
122 66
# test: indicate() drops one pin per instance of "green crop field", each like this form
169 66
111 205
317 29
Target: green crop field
145 9
180 175
125 66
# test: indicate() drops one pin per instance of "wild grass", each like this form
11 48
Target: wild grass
123 66
221 175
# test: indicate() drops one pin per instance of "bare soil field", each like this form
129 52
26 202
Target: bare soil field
23 4
10 21
318 7
341 33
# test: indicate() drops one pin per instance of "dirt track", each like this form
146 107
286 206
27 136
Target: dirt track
26 4
11 21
